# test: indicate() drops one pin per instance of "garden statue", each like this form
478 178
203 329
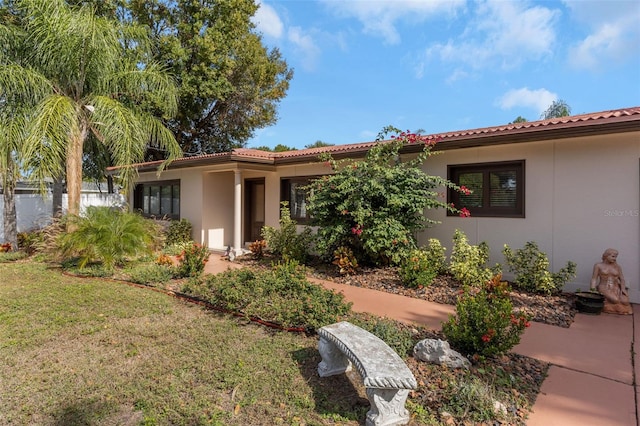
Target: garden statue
608 280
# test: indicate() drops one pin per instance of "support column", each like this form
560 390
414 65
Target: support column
237 213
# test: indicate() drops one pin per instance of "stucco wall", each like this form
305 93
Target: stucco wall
191 195
581 197
217 212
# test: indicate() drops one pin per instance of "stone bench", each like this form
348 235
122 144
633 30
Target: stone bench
386 377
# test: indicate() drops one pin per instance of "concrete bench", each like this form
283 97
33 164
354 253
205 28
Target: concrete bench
386 377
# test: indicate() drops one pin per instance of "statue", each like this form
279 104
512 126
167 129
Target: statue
608 280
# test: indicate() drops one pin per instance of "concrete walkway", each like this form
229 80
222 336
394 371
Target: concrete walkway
594 362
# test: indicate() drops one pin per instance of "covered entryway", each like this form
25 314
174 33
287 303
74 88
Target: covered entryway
254 202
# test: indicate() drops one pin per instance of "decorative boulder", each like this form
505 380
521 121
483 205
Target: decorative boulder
439 352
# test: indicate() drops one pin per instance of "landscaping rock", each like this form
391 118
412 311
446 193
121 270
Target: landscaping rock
439 352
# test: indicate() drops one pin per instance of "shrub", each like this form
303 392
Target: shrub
192 260
531 268
286 242
474 401
29 241
150 273
257 248
282 295
178 231
468 262
345 260
435 254
484 323
107 235
399 338
5 247
376 206
164 260
416 269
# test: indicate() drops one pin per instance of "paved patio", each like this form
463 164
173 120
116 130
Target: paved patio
594 362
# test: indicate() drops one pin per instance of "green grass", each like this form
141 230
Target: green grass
79 351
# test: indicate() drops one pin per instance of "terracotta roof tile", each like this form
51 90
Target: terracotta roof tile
447 139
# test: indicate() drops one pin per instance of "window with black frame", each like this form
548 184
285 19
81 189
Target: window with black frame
159 199
494 189
293 191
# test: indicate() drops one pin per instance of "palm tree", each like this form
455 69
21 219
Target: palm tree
85 75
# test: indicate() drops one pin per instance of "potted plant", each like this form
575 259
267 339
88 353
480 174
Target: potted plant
589 302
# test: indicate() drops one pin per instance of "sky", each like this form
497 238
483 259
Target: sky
444 65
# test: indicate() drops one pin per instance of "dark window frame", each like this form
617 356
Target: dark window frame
140 191
518 211
285 195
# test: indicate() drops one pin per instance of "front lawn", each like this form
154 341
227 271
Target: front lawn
80 351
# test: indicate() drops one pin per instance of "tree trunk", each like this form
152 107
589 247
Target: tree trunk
10 218
57 196
74 170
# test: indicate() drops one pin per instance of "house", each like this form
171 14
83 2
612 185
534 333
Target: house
570 184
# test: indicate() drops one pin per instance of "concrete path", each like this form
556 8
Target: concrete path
594 363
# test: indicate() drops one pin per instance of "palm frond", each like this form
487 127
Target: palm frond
150 83
48 133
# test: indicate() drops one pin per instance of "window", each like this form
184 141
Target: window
292 191
497 188
158 199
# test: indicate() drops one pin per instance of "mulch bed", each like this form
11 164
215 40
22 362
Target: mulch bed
558 310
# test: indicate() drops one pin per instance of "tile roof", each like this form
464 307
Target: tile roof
613 121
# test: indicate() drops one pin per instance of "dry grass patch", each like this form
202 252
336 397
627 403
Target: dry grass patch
86 351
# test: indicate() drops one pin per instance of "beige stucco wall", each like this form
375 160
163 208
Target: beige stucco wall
190 194
581 197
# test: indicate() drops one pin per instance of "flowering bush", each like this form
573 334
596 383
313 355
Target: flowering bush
531 267
484 323
376 206
192 260
468 262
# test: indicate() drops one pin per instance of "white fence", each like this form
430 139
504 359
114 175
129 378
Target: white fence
33 211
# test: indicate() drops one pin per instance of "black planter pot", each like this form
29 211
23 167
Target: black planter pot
589 302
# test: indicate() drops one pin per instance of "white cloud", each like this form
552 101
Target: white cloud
538 99
267 21
380 17
304 46
614 33
502 34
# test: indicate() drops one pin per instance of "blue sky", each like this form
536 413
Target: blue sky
360 65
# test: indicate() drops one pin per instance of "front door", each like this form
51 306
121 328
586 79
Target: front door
254 209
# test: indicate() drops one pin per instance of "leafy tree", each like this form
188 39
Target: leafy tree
283 148
557 109
519 119
81 81
278 148
229 83
318 144
376 206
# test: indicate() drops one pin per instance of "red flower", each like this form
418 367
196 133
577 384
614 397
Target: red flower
486 338
465 190
464 212
356 230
